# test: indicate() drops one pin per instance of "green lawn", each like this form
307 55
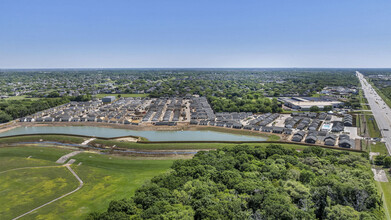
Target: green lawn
23 190
122 95
105 177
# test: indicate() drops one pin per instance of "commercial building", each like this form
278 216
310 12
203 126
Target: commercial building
305 103
108 99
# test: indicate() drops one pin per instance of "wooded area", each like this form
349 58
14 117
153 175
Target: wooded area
12 109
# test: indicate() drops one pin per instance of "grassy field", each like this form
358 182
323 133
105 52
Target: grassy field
122 95
105 178
23 190
374 131
20 98
23 156
385 189
379 147
33 138
374 147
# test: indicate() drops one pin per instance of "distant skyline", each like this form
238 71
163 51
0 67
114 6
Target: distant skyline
195 34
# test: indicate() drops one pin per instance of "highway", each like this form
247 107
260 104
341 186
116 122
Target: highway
380 110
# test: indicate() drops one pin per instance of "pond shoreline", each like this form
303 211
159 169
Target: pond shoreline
190 133
179 127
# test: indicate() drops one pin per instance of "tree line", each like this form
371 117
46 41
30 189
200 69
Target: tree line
13 109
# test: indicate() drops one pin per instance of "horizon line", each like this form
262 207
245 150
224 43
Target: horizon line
102 68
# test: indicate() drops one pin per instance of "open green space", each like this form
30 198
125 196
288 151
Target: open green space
122 95
105 177
372 127
34 138
371 146
244 181
26 189
385 190
20 97
379 147
24 156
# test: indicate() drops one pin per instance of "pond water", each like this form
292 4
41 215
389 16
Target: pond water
150 135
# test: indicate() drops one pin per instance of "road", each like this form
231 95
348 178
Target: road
380 110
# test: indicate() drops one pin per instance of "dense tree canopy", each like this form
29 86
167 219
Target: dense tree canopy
12 109
246 182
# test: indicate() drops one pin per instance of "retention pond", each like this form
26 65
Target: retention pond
203 135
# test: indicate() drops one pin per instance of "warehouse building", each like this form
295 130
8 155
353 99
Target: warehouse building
108 99
305 103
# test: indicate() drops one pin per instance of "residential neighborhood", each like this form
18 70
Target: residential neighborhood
307 127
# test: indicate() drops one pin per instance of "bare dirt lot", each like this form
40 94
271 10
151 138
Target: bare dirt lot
380 175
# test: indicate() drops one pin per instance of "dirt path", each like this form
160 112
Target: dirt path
87 141
67 194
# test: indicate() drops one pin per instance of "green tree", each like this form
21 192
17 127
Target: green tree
4 117
53 94
328 108
340 212
387 162
314 108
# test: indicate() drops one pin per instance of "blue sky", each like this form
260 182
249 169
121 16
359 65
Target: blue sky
181 33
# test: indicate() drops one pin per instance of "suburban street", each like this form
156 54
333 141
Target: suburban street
380 110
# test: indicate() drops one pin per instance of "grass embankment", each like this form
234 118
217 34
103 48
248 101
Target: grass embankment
270 137
379 147
363 101
372 127
122 95
33 138
371 146
106 177
183 146
159 146
385 189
